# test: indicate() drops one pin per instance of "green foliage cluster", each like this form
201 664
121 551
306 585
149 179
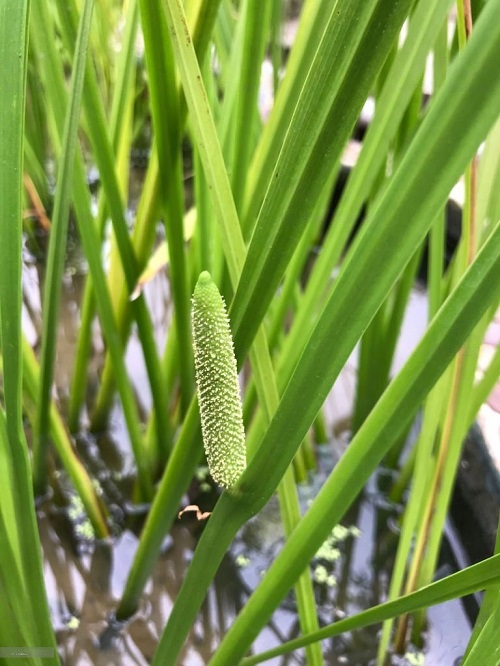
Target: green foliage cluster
190 72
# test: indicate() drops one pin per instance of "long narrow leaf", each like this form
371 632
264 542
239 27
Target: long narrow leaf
358 39
460 584
122 91
13 52
314 20
57 251
56 96
167 125
105 159
391 105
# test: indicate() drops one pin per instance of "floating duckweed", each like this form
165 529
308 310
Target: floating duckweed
340 533
322 577
331 581
328 552
320 574
82 525
415 658
73 622
242 561
202 473
85 530
218 386
76 510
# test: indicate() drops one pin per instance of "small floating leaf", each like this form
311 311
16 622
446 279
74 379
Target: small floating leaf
218 386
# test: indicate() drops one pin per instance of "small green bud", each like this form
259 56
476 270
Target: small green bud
218 387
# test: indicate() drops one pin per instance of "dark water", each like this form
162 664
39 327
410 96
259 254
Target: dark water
85 580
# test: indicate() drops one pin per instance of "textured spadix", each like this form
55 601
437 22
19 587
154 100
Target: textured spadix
218 386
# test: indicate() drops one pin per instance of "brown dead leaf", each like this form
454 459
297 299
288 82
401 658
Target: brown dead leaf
200 515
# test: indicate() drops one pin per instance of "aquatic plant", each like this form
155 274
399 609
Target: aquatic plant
261 199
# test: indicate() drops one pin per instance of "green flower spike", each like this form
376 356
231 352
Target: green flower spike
218 386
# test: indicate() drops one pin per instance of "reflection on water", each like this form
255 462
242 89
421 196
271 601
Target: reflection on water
85 581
